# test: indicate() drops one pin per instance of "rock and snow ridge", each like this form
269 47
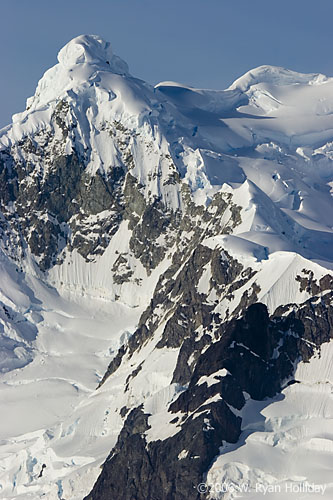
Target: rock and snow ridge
140 226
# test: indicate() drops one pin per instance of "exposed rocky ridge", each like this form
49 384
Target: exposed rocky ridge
177 297
155 474
255 355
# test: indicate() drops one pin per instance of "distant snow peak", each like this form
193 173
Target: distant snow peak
277 76
90 49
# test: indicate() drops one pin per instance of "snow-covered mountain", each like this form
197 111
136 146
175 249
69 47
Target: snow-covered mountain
166 285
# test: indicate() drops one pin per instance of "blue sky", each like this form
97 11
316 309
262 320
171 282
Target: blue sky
204 43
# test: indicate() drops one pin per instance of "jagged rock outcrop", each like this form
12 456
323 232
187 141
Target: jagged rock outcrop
254 355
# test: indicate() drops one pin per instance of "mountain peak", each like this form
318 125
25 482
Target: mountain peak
174 247
82 61
93 50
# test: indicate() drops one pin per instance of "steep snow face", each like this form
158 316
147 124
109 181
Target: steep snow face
135 222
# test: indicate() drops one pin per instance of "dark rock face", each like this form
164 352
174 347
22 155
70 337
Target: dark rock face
152 225
245 350
313 286
260 354
169 469
52 207
312 323
224 270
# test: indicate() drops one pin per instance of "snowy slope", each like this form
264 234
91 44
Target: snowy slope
51 413
123 205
